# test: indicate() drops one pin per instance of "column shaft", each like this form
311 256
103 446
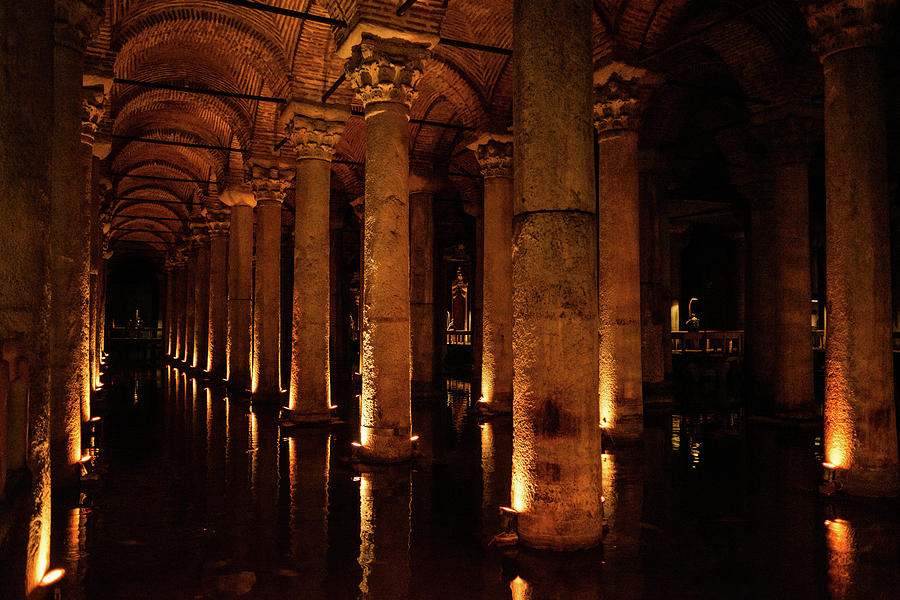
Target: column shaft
421 291
310 394
240 249
267 298
201 307
556 440
218 302
169 328
187 298
860 417
386 354
621 397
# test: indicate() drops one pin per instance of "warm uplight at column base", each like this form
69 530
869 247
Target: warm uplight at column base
383 445
305 418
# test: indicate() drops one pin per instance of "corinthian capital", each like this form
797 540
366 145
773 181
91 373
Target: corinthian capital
268 181
838 25
314 129
619 90
77 21
386 70
92 101
494 153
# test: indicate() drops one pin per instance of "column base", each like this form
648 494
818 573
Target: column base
267 395
424 390
384 445
293 418
495 408
627 430
557 537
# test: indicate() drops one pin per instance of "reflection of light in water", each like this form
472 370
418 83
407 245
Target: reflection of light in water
676 432
841 556
608 478
366 530
818 449
253 425
458 388
520 589
696 447
487 464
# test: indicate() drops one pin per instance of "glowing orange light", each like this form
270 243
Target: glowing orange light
356 444
332 406
414 438
829 465
86 458
482 400
95 419
509 510
53 576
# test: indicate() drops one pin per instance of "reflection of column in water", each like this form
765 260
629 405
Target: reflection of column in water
309 456
384 530
216 436
623 495
74 552
496 466
237 478
841 557
265 443
548 575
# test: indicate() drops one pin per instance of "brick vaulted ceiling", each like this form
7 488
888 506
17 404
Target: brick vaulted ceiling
754 52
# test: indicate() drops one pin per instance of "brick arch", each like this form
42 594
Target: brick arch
200 160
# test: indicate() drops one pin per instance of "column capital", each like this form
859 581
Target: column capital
238 195
314 129
494 153
619 89
76 21
199 232
268 181
218 221
92 100
386 70
838 25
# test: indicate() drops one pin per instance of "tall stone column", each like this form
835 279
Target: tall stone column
240 253
421 284
99 187
314 131
169 329
385 74
218 292
269 184
201 297
617 119
556 439
786 236
494 153
26 148
656 342
187 298
860 413
70 239
178 262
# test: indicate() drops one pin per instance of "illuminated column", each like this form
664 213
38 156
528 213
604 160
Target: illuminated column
269 184
385 73
99 188
309 469
70 236
240 252
169 329
860 414
178 282
421 282
218 291
384 530
187 298
617 120
314 131
495 155
786 234
556 438
201 296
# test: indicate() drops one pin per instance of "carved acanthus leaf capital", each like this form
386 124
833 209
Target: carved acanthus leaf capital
92 100
314 129
218 220
837 25
619 89
386 70
268 182
77 21
494 153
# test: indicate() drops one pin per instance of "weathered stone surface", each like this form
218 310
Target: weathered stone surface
240 251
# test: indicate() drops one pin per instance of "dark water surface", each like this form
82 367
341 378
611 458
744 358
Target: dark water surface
201 496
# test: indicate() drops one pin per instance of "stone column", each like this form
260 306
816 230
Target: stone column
187 298
99 187
268 183
786 235
495 155
556 439
421 284
179 263
656 341
617 119
860 413
740 279
240 252
70 238
169 329
201 297
314 131
385 74
218 292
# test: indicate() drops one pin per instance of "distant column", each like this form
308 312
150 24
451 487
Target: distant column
314 131
201 297
190 277
494 153
421 281
240 252
218 292
269 183
860 411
